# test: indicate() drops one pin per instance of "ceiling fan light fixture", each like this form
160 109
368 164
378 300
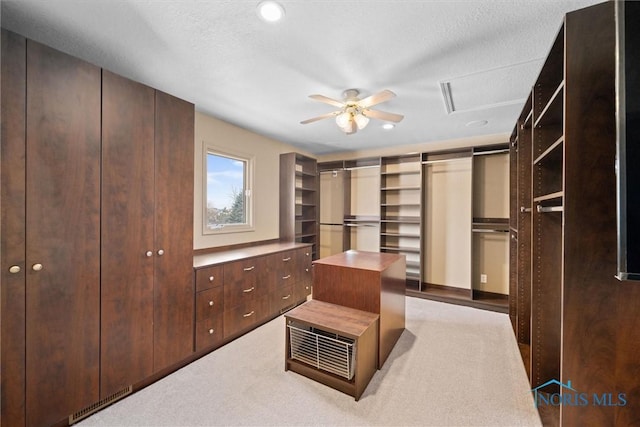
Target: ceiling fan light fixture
361 120
388 126
343 119
270 11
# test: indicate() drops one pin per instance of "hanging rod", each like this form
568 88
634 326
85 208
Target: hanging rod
543 209
488 230
429 162
523 209
360 225
484 153
361 167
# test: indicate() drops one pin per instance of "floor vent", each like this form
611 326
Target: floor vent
95 407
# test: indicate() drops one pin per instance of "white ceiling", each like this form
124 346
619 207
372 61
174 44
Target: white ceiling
257 75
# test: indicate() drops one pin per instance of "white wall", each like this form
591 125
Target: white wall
266 182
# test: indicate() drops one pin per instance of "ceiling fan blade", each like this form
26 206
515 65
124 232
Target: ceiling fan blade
383 115
324 116
376 98
327 100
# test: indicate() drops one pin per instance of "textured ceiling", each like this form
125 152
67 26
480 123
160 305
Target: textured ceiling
257 75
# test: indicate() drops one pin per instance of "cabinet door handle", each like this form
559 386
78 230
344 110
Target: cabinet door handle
211 331
249 268
211 278
246 291
286 259
14 269
286 277
37 267
248 314
148 253
210 303
160 252
287 297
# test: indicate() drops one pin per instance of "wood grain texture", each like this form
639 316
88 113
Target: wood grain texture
590 321
12 227
63 234
174 287
127 233
369 281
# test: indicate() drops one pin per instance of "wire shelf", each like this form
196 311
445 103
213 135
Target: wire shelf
323 350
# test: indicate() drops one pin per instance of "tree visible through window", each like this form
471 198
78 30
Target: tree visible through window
227 192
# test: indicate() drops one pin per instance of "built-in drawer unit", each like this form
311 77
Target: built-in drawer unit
239 289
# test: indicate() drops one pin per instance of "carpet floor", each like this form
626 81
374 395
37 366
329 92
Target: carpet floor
452 366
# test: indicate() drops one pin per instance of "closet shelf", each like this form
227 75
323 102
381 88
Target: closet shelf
552 111
551 196
404 219
408 235
396 173
305 189
417 187
400 249
554 150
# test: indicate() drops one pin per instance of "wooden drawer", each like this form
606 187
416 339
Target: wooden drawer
209 332
286 269
246 280
245 316
282 298
209 277
209 303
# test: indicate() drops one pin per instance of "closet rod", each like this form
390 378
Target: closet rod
543 209
428 162
488 230
331 223
360 225
484 153
361 167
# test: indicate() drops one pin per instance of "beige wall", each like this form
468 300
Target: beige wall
267 152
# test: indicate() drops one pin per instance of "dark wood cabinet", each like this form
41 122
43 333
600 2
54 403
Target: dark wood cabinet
97 219
256 284
51 296
127 233
147 289
584 327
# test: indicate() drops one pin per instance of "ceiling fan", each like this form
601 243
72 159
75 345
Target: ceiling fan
354 113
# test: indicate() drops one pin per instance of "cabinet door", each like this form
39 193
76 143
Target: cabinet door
174 289
127 233
63 235
13 251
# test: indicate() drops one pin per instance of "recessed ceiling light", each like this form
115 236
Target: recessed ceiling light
270 11
476 123
388 126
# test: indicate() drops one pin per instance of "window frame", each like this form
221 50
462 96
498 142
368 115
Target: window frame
249 160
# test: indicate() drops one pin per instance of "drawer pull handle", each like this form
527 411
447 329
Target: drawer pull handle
287 297
211 278
246 291
307 253
249 268
211 331
286 259
286 277
210 303
248 314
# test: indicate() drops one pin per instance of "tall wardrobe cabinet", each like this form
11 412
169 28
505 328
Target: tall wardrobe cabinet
95 266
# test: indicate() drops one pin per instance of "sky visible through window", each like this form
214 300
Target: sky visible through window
225 179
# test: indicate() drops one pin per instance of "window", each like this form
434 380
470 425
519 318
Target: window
227 192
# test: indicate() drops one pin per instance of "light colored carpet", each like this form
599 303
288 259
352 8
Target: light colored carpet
452 366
